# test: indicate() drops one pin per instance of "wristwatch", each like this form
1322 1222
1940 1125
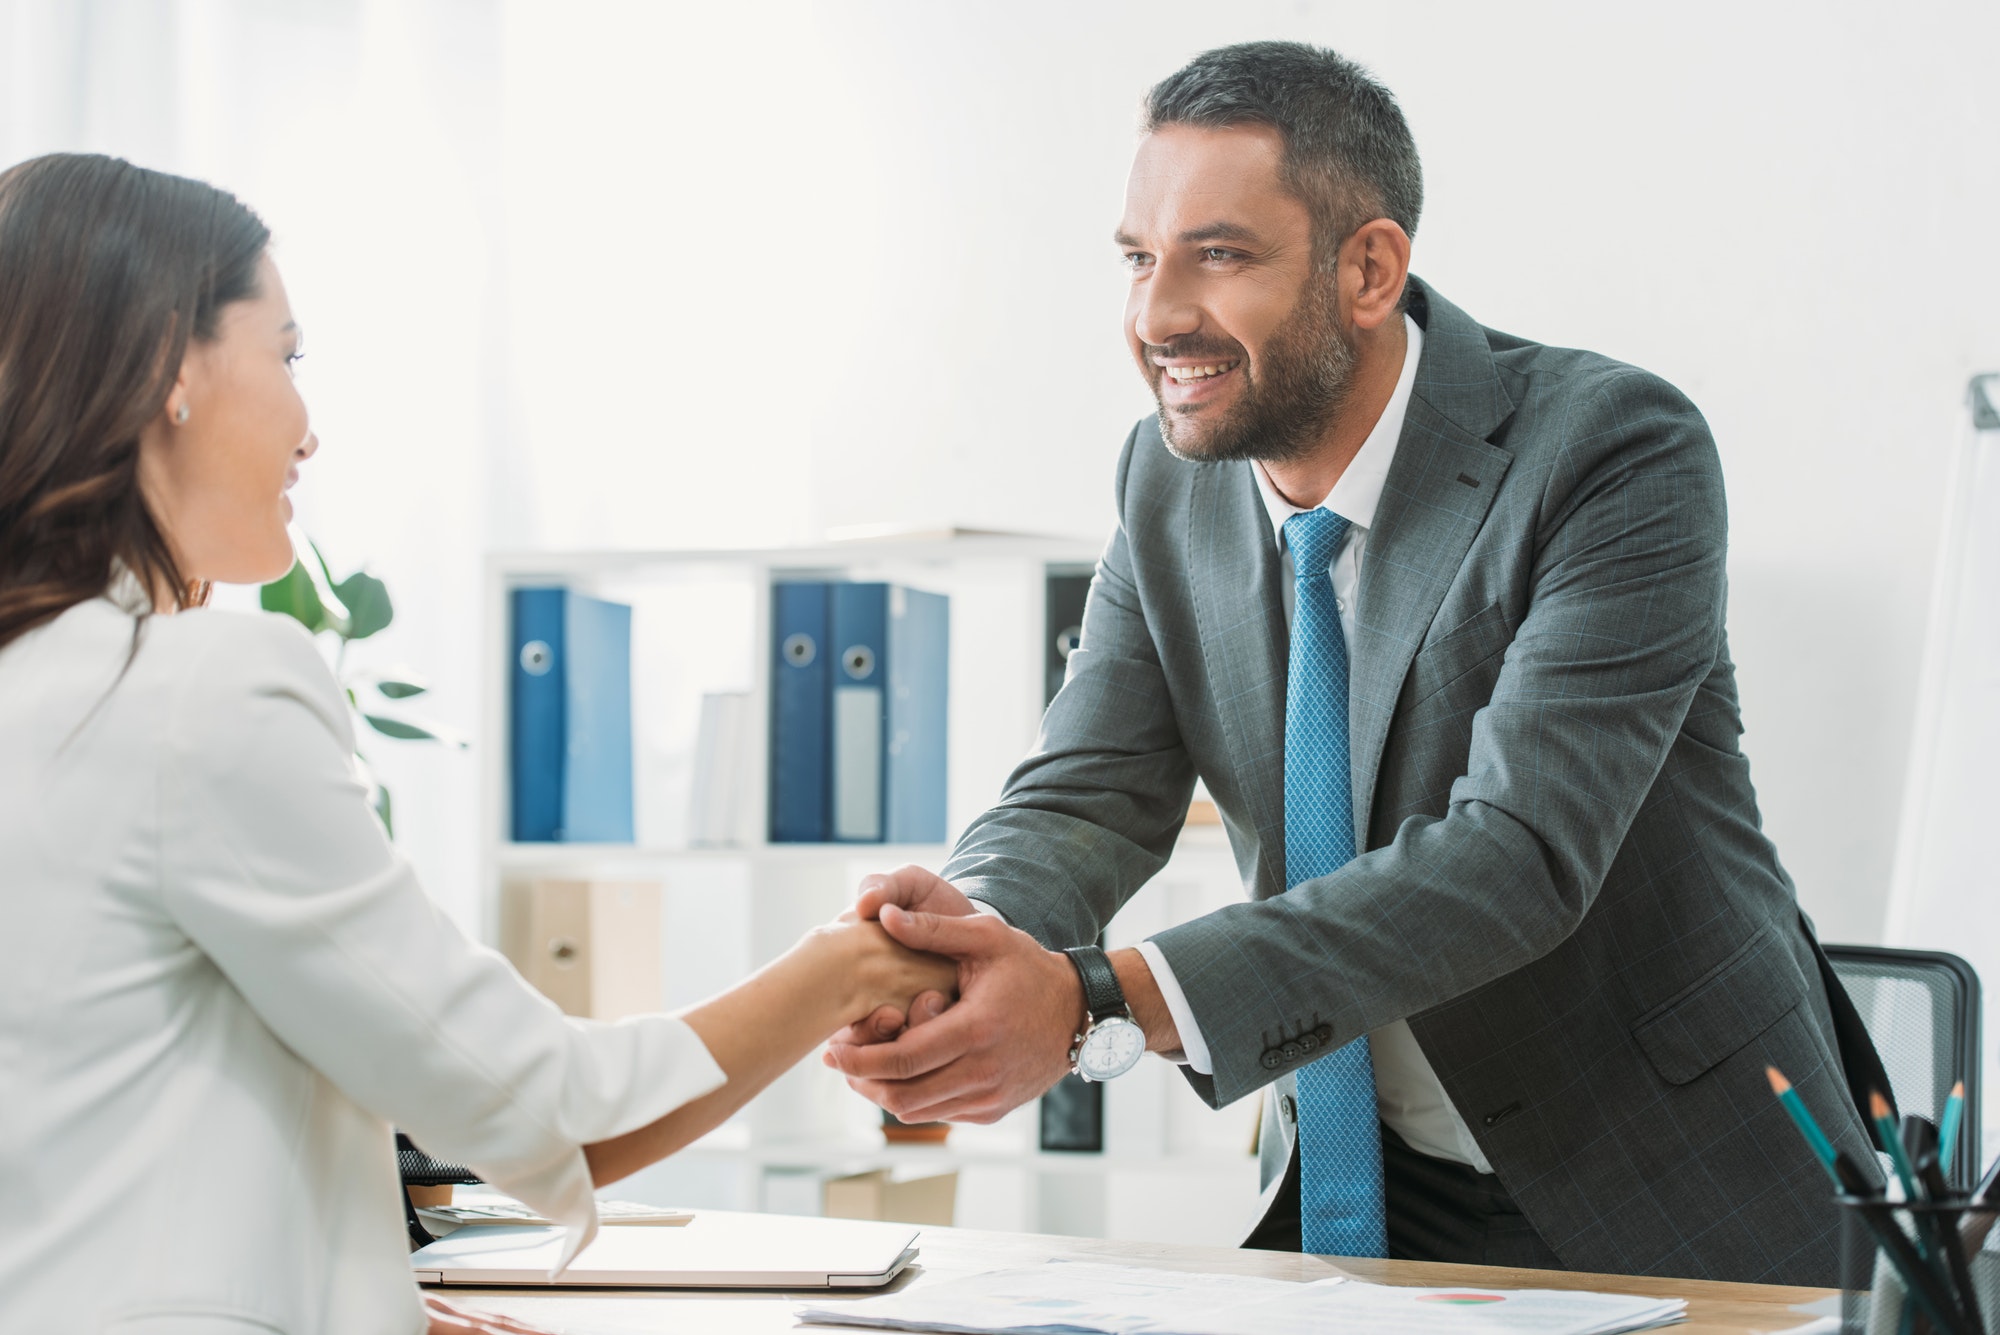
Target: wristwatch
1111 1042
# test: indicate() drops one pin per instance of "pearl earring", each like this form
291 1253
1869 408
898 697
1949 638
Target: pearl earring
181 415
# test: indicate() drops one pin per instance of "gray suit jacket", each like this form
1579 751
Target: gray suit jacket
1565 888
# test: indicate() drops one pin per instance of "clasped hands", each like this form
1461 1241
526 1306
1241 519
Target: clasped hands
1007 1038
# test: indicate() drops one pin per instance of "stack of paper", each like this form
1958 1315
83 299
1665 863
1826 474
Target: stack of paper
1061 1298
1355 1306
1069 1298
492 1208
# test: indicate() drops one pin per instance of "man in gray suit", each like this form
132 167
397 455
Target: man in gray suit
1436 613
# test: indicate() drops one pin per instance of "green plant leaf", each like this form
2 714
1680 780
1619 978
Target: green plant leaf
295 596
368 607
332 608
384 809
399 690
404 730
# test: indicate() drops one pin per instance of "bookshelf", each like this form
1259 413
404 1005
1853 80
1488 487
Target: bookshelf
702 623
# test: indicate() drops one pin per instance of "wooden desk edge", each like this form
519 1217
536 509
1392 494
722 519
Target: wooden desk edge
1715 1307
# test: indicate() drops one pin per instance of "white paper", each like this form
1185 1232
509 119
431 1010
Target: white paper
1312 1309
1071 1298
1060 1298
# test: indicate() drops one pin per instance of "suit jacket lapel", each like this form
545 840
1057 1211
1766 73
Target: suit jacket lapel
1234 566
1440 486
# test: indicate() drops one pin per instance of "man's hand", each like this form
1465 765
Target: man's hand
911 888
1005 1042
919 891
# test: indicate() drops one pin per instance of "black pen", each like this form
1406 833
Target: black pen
1930 1171
1972 1230
1988 1190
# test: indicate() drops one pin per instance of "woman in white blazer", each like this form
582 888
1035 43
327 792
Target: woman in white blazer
222 985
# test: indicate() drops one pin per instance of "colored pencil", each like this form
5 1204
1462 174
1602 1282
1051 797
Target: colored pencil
1892 1142
1802 1118
1939 1291
1954 1110
1922 1282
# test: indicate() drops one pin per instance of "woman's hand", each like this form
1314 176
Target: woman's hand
756 1030
883 972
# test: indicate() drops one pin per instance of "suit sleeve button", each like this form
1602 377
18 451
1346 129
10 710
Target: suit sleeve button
1324 1033
1271 1060
1292 1051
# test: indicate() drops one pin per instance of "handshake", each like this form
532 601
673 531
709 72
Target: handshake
1005 1040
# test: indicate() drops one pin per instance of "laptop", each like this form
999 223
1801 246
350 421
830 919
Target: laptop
714 1250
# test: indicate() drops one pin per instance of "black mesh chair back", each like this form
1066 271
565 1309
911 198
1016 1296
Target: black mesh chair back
418 1169
1922 1009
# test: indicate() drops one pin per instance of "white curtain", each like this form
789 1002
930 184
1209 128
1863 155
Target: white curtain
536 301
366 136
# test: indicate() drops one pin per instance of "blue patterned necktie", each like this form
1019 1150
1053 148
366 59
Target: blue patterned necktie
1340 1142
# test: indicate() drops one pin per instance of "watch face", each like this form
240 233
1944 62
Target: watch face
1111 1048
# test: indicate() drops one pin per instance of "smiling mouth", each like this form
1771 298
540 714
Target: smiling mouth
1189 374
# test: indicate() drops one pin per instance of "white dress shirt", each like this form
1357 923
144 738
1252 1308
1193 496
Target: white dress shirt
223 985
1408 1095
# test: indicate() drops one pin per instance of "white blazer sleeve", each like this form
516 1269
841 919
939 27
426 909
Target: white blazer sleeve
274 865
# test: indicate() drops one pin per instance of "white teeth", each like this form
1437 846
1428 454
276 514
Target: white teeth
1186 373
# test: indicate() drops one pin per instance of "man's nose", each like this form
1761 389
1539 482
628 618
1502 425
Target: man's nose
310 447
1164 309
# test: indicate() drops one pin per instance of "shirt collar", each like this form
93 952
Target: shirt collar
126 592
1359 490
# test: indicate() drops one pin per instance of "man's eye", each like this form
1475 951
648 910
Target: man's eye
292 360
1135 259
1218 253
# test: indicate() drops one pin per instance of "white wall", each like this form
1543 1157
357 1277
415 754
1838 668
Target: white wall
1785 209
900 282
652 275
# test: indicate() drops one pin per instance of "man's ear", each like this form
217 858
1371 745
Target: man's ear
1374 263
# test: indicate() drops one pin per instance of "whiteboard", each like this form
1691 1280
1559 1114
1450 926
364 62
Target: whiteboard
1945 891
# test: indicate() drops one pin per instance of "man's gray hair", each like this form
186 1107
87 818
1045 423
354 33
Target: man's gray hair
1348 152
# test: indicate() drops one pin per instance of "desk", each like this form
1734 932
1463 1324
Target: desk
1713 1308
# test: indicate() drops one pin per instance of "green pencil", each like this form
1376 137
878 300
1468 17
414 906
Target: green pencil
1885 1131
1822 1148
1954 1110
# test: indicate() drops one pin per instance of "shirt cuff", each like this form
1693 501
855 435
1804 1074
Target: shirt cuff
1193 1048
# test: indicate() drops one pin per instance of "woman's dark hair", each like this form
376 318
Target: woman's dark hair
107 271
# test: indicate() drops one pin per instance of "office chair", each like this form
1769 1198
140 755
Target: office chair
418 1169
1922 1009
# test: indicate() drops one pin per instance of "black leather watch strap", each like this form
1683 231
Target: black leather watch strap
1101 994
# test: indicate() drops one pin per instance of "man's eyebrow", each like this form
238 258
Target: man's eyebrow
1215 231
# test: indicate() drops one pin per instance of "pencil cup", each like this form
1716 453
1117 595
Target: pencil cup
1918 1268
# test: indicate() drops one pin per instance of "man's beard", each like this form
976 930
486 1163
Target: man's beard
1306 376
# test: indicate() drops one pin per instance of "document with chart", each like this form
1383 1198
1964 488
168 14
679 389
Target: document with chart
1074 1298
